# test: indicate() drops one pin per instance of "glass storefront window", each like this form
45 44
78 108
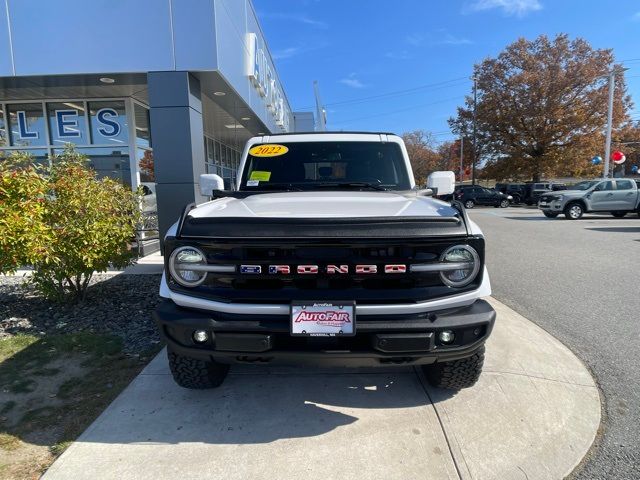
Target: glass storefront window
146 165
143 133
67 123
107 162
26 125
222 160
216 157
209 145
3 136
108 123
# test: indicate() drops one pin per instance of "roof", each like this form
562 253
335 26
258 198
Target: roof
328 133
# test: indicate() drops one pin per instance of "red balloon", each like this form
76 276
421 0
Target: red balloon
617 156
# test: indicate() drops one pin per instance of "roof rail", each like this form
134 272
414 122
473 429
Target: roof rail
324 133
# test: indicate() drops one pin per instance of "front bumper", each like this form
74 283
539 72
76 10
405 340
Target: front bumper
556 206
379 340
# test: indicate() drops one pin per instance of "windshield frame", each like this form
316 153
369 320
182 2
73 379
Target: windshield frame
401 167
585 185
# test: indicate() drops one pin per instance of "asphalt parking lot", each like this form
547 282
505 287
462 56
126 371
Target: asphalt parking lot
580 281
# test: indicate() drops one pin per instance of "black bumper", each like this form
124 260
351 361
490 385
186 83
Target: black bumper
380 340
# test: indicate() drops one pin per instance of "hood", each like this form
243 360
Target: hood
573 193
325 205
324 215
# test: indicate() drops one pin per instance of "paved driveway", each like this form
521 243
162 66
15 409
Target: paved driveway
580 280
534 413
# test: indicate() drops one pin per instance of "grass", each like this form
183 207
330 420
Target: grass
9 442
51 389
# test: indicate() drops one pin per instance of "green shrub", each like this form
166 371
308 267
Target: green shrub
88 224
24 236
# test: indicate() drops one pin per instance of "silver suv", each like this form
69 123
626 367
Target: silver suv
617 196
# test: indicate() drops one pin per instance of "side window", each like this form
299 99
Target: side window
624 184
604 186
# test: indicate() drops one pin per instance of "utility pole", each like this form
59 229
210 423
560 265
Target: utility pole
473 158
607 145
461 159
320 111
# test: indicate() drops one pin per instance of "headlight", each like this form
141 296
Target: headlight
181 259
465 265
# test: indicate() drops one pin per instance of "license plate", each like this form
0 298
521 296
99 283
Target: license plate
323 319
543 204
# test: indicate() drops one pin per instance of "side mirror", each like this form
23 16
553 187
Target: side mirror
442 182
210 182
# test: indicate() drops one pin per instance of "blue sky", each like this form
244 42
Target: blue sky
358 49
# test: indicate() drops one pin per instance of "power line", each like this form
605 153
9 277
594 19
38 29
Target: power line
436 85
384 114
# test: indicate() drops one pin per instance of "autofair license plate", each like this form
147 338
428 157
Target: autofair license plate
323 319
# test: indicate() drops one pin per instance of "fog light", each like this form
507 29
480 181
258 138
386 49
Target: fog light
446 336
200 336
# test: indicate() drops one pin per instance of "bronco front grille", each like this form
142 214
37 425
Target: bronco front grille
258 285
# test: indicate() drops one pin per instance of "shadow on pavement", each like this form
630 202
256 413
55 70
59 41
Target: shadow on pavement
255 408
542 217
629 229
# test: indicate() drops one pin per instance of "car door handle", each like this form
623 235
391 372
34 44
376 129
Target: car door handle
609 194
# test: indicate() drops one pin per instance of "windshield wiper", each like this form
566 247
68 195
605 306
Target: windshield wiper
285 187
372 186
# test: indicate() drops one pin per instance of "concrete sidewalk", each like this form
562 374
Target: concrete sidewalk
533 414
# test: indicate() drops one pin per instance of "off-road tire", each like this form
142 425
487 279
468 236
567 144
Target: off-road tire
550 214
568 212
516 199
618 214
194 373
469 204
457 374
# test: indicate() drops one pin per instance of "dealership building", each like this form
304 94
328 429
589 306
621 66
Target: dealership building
153 92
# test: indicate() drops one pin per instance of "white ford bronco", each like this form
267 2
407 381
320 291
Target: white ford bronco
325 252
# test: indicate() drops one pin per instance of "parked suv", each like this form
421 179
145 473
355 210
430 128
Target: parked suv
516 190
619 196
326 252
470 196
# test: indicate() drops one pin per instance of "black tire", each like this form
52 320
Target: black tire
457 374
504 203
618 214
516 199
469 204
189 372
550 214
574 211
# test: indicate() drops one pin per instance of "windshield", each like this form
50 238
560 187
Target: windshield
326 166
584 185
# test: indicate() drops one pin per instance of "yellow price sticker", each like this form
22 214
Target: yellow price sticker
260 176
268 150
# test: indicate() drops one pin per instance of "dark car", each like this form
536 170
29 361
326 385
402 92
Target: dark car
516 190
533 190
472 195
